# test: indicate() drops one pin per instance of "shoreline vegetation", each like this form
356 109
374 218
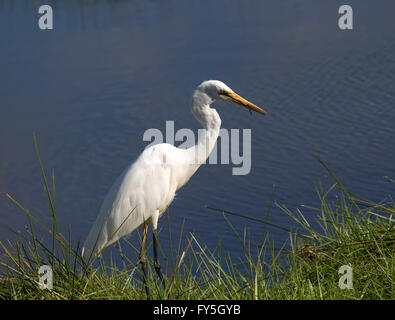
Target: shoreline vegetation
352 232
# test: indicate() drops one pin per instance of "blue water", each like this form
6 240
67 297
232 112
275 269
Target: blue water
112 69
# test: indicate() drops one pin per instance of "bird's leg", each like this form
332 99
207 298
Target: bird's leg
157 265
143 260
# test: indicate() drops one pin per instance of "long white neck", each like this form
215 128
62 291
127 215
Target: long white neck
211 122
196 155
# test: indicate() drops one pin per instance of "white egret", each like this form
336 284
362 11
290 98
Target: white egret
146 188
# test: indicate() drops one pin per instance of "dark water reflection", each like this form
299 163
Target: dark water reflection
112 69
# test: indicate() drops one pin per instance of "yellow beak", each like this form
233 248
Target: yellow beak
245 103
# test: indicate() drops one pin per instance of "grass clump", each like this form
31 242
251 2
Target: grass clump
354 233
348 231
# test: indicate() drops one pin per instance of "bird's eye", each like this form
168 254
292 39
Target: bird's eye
224 93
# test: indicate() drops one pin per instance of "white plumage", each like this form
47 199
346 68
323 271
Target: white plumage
147 187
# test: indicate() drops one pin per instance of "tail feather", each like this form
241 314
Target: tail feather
94 244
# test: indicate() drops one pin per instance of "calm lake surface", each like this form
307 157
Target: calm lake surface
110 70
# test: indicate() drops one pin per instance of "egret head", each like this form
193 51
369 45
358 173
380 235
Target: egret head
219 91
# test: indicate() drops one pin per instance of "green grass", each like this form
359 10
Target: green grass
349 230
